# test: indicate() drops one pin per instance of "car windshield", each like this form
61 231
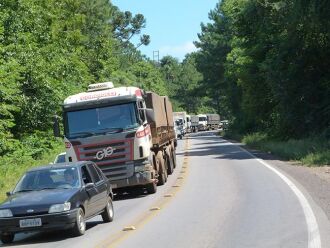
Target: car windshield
49 179
101 120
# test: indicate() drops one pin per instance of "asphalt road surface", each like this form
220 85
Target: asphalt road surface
218 196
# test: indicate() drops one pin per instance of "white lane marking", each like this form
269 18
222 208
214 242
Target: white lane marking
314 238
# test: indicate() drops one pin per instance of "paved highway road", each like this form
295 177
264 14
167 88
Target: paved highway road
219 196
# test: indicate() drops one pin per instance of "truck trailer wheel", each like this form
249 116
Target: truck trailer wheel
162 173
169 162
173 156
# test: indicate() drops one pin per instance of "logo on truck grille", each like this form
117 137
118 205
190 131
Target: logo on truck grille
106 152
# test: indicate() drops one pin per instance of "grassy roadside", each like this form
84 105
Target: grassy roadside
14 165
313 151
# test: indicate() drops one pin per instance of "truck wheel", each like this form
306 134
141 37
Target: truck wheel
7 238
173 158
162 173
80 225
108 213
169 162
151 188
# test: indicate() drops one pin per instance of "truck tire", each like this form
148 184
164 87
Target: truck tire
162 172
151 188
169 162
173 157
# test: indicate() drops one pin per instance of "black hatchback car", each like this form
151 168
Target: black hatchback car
56 196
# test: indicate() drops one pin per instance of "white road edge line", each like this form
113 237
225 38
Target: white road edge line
314 238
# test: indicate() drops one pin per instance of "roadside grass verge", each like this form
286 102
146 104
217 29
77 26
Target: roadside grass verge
12 166
312 151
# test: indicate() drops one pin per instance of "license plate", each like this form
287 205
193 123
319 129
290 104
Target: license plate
113 185
30 222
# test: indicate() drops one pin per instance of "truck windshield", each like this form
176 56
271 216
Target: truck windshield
102 120
202 118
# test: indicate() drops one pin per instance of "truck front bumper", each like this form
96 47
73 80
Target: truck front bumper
143 175
138 179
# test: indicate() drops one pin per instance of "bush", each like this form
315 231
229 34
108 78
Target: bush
13 165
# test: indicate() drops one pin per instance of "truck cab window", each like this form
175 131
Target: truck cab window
141 109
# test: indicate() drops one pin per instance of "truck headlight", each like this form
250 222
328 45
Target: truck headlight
60 207
5 213
139 168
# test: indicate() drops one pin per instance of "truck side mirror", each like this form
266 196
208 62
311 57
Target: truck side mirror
150 115
56 127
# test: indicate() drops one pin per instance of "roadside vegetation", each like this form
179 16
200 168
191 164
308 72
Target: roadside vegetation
313 151
267 65
29 153
52 49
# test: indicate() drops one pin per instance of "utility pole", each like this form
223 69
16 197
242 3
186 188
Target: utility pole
155 57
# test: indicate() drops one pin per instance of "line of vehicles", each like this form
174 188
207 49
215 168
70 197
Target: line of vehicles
116 139
185 123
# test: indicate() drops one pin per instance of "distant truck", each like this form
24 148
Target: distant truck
178 128
213 121
194 123
188 121
181 117
202 122
129 134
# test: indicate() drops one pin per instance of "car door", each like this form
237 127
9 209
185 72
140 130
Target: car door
91 191
100 186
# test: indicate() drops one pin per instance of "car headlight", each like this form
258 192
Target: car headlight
4 213
60 207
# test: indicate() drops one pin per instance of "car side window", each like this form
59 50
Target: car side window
99 172
94 173
85 175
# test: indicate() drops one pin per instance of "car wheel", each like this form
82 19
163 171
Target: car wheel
108 212
151 188
7 238
80 225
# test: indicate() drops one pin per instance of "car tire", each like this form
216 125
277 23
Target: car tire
108 213
7 238
80 225
151 188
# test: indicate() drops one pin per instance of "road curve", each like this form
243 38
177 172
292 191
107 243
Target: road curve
219 196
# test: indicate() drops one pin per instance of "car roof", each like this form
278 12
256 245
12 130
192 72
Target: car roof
59 165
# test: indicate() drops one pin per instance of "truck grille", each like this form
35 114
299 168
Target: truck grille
114 166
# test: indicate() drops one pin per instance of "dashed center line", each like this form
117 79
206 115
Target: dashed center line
147 216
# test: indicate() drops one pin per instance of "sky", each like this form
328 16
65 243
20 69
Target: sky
173 25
